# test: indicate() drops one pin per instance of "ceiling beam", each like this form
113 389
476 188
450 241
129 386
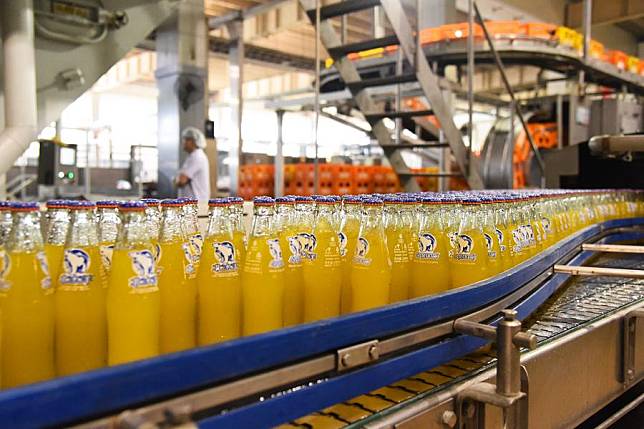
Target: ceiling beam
605 12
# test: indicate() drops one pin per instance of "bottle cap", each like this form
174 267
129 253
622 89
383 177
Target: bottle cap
81 205
235 200
430 199
303 199
5 205
371 201
107 204
132 206
173 202
218 202
151 201
263 201
19 206
351 199
285 200
57 204
320 199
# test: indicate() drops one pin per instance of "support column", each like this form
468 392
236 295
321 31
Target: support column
181 74
279 156
236 76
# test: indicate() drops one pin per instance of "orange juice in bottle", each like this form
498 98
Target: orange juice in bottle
133 298
322 265
430 267
262 273
81 331
28 305
219 284
396 233
349 230
371 267
287 231
6 223
495 258
468 253
177 282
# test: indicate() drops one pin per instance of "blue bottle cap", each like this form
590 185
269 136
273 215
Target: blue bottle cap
303 199
81 205
321 199
235 200
132 206
171 202
109 204
263 201
21 206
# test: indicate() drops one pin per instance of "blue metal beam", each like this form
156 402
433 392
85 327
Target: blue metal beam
98 393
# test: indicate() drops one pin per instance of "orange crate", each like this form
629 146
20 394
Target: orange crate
430 35
459 31
505 28
618 58
539 30
596 49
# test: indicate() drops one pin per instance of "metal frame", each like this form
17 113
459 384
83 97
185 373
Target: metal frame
415 324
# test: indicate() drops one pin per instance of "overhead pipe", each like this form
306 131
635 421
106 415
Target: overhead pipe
19 66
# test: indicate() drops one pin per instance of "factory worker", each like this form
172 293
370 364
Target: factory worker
193 180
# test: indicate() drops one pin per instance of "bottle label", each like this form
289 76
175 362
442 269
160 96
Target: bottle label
5 267
547 226
156 251
106 255
295 248
491 253
76 263
343 244
45 283
427 247
362 250
308 242
196 244
145 269
499 235
225 256
462 246
188 268
276 253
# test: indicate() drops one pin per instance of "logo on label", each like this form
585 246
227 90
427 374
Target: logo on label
343 243
490 245
276 253
5 267
427 247
362 249
547 228
308 242
106 255
189 268
76 264
295 247
196 243
45 283
499 235
144 268
462 245
225 255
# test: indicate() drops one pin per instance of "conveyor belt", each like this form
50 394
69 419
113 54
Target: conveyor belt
581 301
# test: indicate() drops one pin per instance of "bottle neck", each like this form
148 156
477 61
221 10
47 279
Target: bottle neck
371 219
108 222
429 216
262 221
25 234
171 229
326 217
83 231
153 216
219 221
285 216
306 213
236 215
57 227
6 221
190 219
133 230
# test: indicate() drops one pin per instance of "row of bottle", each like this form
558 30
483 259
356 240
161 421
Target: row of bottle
117 282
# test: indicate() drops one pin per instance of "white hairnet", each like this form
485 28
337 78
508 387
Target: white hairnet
196 136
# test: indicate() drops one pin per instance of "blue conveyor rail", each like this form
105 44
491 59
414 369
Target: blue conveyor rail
108 391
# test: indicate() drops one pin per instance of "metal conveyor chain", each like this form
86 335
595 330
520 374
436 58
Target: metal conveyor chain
581 301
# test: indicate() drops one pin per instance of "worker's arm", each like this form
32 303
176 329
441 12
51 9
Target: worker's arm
181 180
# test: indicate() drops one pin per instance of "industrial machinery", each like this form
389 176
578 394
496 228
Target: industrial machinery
58 173
419 363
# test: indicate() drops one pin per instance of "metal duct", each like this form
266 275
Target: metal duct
19 80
